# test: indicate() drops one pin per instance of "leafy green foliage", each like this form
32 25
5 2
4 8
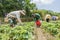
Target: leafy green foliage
51 27
7 6
17 33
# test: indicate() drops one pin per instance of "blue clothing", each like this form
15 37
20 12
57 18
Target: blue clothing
53 17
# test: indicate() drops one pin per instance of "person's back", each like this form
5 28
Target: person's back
37 16
54 18
16 15
37 19
47 17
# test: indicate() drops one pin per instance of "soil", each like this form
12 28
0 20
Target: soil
40 34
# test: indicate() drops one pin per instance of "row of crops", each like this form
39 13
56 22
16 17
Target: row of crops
24 32
53 28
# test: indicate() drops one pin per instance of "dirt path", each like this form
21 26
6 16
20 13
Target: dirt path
39 34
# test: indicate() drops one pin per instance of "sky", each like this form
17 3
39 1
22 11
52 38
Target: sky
53 5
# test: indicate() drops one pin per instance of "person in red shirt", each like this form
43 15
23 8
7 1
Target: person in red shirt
37 19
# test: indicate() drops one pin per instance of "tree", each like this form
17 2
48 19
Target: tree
7 6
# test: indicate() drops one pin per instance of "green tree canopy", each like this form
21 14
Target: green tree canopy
7 6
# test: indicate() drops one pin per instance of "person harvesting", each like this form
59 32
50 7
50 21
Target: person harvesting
37 19
15 15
